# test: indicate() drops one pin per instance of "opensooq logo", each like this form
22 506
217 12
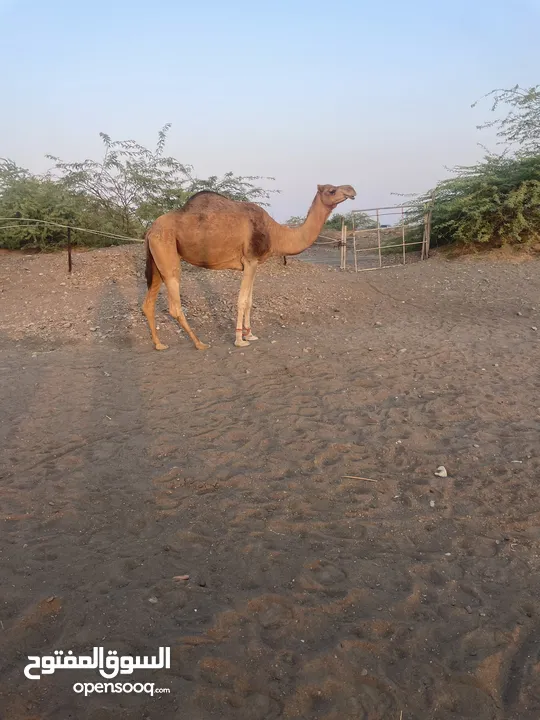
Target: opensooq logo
109 667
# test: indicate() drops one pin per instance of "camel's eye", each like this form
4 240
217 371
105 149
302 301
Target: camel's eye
332 192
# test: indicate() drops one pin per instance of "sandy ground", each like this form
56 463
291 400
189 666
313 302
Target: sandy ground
310 595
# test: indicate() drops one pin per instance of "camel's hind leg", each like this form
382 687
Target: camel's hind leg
149 306
168 263
175 309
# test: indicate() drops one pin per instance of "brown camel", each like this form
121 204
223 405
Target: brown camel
214 232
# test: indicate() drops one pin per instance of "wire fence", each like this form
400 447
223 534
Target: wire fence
382 248
69 229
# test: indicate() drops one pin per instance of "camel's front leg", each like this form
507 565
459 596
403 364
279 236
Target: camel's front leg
243 302
247 334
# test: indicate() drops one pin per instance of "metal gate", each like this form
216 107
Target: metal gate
381 238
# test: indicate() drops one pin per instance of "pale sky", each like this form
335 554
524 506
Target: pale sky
373 94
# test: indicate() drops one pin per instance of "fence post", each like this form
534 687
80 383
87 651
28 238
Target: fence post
69 249
428 231
379 236
403 233
353 233
342 246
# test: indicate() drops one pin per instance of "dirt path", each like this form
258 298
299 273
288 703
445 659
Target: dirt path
309 595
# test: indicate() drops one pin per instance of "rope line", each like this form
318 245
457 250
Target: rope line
66 227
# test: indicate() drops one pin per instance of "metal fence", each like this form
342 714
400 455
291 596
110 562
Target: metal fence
392 238
389 237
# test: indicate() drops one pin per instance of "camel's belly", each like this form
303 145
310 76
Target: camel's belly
214 252
213 263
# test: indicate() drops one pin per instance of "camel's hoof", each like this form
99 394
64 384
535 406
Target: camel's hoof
251 337
202 346
241 343
161 346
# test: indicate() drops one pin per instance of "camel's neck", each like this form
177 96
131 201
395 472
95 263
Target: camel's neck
292 241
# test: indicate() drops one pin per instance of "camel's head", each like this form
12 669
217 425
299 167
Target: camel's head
332 195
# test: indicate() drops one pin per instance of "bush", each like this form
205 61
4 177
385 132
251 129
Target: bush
494 203
497 201
39 199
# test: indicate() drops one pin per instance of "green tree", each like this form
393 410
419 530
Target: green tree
134 185
361 221
23 195
131 184
296 220
236 188
496 201
521 126
120 194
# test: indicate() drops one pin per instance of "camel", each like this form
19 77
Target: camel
214 232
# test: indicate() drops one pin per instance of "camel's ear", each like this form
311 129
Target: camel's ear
320 188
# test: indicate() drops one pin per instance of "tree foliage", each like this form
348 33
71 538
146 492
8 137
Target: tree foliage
496 201
236 188
122 193
296 220
361 221
521 126
23 195
131 184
